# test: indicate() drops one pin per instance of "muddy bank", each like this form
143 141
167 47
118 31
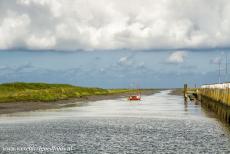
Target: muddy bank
13 107
177 91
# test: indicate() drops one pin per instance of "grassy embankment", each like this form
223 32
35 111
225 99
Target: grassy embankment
43 92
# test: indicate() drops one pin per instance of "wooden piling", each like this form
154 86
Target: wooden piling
216 94
185 91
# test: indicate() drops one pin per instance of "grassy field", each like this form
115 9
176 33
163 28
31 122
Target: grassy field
43 92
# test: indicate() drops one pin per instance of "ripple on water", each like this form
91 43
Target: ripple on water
160 123
119 135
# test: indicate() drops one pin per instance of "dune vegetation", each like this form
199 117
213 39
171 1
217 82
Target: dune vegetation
44 92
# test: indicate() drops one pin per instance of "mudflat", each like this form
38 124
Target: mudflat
12 107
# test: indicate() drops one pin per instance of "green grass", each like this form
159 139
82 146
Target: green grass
19 92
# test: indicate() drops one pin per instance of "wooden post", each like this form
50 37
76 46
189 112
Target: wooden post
185 91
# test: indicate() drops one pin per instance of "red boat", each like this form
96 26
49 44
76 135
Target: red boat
136 97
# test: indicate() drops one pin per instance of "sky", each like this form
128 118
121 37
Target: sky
114 43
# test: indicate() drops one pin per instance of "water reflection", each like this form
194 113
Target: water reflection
160 105
185 106
160 123
216 109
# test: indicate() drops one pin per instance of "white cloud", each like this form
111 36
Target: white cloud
47 42
13 28
113 24
176 57
216 60
126 61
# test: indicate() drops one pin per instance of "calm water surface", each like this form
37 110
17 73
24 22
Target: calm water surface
160 123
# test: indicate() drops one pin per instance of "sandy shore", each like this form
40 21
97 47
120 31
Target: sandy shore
13 107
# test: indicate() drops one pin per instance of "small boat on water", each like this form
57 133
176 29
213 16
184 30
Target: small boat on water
136 97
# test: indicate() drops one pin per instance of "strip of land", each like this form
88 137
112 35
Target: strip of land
177 91
22 97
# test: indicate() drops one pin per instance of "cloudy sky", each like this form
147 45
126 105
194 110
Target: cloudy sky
113 43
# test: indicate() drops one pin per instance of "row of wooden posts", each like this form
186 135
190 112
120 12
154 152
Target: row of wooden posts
214 99
221 95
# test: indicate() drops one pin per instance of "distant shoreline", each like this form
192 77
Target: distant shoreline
177 91
25 106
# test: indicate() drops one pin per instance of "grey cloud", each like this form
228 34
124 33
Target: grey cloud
108 24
